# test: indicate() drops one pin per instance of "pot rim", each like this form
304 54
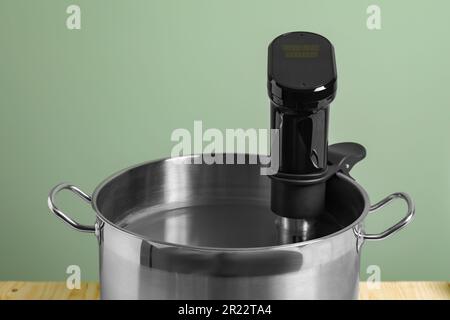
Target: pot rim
224 249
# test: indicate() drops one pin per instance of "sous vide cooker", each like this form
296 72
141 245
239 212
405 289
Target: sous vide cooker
302 82
178 229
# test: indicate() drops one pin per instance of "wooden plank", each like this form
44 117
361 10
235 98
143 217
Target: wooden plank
16 290
406 291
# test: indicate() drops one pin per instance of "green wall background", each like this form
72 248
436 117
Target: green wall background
79 105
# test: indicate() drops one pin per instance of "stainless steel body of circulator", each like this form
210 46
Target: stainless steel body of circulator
172 230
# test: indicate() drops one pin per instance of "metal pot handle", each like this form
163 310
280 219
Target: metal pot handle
399 225
62 215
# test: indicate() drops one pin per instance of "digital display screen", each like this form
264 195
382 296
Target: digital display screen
301 50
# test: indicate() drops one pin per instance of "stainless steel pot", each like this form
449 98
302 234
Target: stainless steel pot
171 230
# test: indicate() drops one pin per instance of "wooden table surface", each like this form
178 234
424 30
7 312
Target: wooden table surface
13 290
